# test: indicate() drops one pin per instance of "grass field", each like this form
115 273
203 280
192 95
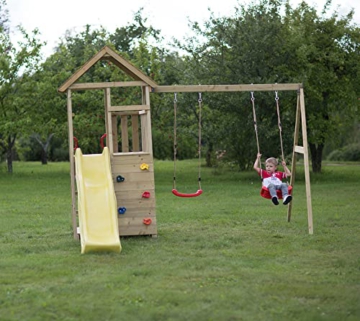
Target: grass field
226 255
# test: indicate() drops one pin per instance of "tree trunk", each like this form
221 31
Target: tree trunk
9 152
44 147
9 160
44 159
316 151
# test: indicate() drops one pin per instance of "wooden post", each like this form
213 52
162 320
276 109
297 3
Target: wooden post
135 133
124 134
115 133
108 122
146 98
301 117
143 124
72 164
296 141
306 161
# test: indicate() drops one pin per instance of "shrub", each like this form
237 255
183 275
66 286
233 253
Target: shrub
349 153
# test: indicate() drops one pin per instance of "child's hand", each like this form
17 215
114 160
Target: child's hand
283 163
258 155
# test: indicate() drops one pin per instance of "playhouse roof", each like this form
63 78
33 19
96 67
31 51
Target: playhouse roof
108 54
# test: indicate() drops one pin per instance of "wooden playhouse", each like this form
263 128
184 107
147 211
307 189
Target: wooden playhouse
132 171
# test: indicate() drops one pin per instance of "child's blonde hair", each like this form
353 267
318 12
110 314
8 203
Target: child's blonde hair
272 160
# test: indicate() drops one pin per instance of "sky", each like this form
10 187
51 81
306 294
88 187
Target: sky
54 18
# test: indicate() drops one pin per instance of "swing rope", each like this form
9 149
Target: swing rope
280 129
199 191
199 144
255 127
264 191
279 125
175 140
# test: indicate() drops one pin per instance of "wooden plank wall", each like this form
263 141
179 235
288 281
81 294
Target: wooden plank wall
129 193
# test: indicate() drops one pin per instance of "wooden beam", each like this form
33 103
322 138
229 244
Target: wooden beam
226 88
72 165
299 149
135 133
306 162
124 134
115 133
81 71
295 144
129 108
108 122
102 85
130 69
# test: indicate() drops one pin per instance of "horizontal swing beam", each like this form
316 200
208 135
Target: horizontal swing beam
103 85
226 88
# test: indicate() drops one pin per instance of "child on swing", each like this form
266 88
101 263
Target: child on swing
272 179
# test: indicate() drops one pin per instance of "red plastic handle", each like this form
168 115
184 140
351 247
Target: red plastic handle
176 193
76 143
102 141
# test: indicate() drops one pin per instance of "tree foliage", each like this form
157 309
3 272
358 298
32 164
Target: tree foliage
17 88
261 44
267 41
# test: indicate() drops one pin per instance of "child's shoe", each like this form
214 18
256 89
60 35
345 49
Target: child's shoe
287 199
275 200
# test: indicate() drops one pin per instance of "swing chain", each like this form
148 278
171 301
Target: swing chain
175 97
199 100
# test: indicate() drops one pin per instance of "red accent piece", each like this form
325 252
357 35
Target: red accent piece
146 194
266 194
176 193
102 141
147 221
76 145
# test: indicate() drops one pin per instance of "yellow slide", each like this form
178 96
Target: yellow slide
97 207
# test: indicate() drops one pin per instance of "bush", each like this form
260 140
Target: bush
349 153
352 152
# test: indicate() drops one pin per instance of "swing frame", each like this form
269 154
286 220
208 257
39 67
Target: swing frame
300 120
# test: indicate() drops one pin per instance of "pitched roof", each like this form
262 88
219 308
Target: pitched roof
108 54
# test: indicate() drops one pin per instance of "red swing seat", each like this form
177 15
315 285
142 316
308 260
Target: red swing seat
176 193
266 194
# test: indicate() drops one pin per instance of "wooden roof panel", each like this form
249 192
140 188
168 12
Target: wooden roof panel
107 53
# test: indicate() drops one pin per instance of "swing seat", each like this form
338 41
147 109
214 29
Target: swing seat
266 194
176 193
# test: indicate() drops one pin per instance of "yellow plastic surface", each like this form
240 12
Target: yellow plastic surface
144 166
97 206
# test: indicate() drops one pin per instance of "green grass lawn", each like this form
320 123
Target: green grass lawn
226 255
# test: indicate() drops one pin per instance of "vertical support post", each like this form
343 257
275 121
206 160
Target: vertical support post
135 133
306 161
124 134
108 122
296 141
143 124
115 133
72 164
146 96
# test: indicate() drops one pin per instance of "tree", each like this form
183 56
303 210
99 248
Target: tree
261 44
327 52
245 48
71 53
16 68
